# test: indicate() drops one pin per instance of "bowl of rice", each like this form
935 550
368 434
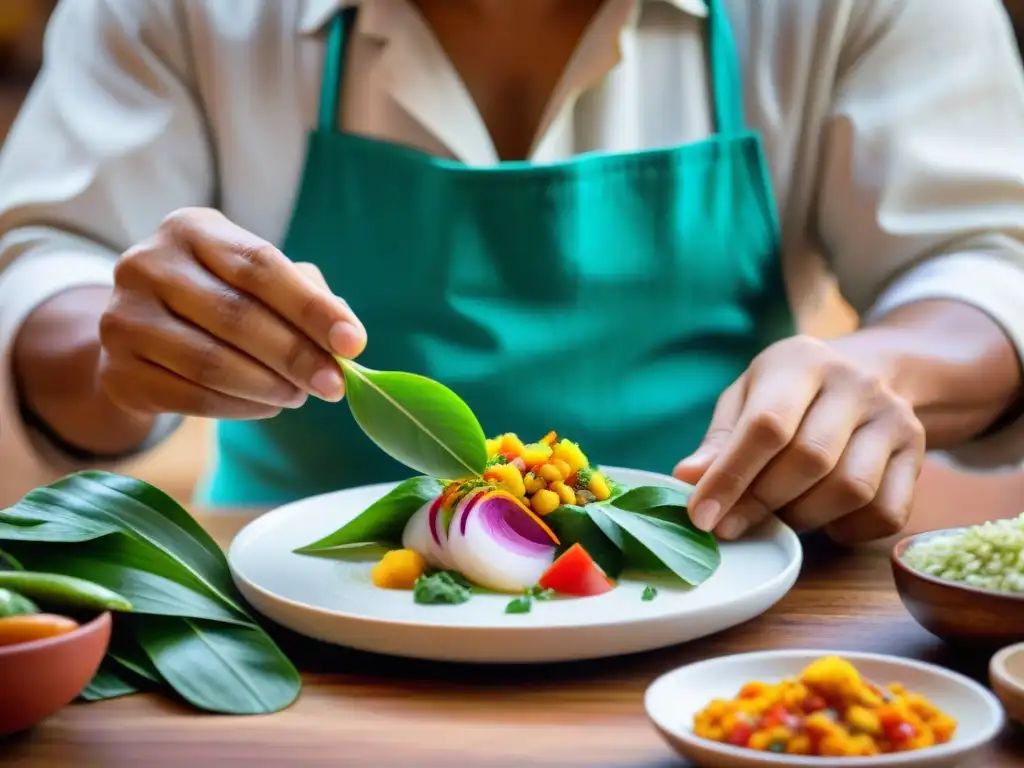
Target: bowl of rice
965 585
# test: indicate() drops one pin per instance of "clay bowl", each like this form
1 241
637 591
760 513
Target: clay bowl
959 614
1006 673
39 678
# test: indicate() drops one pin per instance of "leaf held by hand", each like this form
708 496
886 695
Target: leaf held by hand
416 421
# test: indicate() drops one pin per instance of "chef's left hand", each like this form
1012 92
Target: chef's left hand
813 436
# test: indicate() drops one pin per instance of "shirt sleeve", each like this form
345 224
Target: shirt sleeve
922 179
109 141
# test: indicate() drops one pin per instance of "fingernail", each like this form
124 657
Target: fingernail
705 514
328 384
732 527
346 339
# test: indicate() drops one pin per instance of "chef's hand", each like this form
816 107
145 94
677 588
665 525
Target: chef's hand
207 319
810 435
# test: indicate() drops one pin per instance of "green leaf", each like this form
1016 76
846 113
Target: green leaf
87 505
691 554
220 667
9 563
416 421
519 605
109 682
649 593
383 521
191 632
129 567
576 525
647 497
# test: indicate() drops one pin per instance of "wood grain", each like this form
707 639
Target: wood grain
364 710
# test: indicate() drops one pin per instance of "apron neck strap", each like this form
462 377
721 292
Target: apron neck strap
727 86
726 81
334 66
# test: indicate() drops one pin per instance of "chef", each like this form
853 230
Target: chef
603 217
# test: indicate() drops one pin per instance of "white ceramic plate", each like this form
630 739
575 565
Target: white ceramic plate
335 601
674 698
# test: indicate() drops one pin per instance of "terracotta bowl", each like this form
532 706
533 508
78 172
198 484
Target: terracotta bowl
1006 673
39 678
954 612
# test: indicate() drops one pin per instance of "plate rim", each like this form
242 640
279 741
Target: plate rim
784 536
950 749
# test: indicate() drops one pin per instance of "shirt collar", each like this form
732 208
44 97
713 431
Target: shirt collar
316 13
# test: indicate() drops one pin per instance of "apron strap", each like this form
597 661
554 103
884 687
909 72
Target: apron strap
334 67
727 83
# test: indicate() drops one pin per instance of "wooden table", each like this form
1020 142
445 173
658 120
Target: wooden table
360 710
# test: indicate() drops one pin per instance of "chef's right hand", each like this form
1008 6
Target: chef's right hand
207 319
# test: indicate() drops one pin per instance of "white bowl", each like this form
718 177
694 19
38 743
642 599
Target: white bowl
674 698
1006 672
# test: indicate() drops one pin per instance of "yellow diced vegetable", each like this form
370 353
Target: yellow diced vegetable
599 487
398 569
509 476
545 502
566 494
550 473
572 455
533 483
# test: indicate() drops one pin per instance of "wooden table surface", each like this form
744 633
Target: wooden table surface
361 710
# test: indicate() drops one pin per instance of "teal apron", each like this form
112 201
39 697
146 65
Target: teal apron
610 297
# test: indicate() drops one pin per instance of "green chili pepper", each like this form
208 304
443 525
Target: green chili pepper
63 590
13 604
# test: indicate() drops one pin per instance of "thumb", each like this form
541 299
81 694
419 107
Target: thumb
727 413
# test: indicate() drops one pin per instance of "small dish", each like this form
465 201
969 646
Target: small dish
674 698
956 612
41 677
1006 673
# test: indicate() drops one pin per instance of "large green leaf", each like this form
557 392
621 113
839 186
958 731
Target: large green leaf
691 554
575 525
383 521
129 567
220 667
109 682
87 505
191 631
645 497
416 421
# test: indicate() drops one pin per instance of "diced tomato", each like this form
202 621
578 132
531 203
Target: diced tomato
813 704
575 573
777 715
740 734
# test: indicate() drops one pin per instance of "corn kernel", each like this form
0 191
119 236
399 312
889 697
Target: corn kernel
398 569
550 473
533 483
566 494
863 719
599 487
545 502
799 745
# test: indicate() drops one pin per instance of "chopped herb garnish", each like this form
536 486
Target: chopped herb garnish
441 588
539 593
520 605
649 594
499 458
777 746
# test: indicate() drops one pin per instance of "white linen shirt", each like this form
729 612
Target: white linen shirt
894 130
